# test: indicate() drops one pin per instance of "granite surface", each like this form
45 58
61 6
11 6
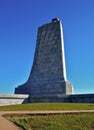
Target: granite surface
48 73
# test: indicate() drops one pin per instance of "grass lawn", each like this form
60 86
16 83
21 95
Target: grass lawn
83 121
48 106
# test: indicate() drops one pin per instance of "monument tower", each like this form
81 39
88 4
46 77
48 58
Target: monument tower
48 78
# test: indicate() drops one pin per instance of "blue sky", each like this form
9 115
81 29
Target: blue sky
19 20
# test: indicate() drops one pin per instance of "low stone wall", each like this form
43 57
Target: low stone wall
10 99
75 98
82 98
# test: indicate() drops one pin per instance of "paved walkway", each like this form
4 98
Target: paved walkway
7 125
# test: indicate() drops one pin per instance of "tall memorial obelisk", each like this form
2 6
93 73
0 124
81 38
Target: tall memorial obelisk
48 78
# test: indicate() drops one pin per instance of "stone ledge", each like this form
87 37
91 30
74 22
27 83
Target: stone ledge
13 99
75 98
20 96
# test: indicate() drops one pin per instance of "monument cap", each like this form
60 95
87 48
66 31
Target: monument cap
55 19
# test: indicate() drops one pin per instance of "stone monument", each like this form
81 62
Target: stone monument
48 74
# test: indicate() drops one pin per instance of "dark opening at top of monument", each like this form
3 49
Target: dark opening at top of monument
48 73
55 19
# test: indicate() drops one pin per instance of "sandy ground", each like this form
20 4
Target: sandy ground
7 125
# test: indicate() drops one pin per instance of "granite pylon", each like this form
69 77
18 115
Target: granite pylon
48 74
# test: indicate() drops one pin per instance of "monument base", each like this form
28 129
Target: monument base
77 98
42 88
11 99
